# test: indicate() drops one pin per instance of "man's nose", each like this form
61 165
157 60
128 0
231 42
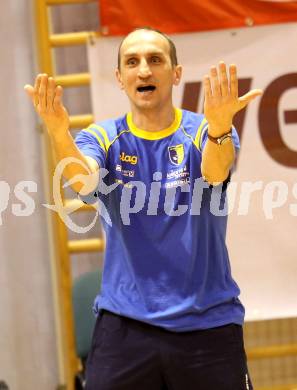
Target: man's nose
144 70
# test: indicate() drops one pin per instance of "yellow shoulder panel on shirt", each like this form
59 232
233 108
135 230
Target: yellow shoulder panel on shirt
89 130
198 138
93 128
103 132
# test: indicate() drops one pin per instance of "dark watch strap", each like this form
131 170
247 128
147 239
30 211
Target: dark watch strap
219 140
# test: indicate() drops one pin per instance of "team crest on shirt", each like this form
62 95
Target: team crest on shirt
176 154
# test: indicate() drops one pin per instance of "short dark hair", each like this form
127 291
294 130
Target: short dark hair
172 48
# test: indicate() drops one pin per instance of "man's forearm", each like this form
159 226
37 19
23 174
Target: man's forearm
64 147
217 161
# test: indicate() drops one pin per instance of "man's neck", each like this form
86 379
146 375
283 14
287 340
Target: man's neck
153 120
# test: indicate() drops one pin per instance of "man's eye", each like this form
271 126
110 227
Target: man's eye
155 59
131 61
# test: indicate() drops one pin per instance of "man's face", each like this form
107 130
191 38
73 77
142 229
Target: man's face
146 73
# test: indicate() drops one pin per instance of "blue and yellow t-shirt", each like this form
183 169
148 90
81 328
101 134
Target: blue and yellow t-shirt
166 261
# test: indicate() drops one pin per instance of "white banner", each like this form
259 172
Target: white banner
262 232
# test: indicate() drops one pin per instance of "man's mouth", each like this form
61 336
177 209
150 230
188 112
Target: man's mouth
146 88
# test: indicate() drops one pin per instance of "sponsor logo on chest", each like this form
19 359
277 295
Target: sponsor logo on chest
129 159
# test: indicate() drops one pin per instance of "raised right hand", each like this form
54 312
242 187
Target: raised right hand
46 97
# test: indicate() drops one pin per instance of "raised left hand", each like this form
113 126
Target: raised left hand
221 99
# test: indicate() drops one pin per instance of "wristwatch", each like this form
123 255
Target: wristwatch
220 140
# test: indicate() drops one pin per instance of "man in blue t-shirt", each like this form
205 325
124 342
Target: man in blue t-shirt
168 311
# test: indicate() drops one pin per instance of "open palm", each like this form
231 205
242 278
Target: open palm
221 98
46 97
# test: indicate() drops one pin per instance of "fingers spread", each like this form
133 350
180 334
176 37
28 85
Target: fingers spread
30 91
216 90
233 81
36 89
42 94
248 97
50 94
207 87
223 79
58 98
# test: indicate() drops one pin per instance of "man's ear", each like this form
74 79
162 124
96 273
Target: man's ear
119 78
177 74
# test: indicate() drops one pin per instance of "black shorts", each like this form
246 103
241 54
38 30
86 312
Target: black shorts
131 355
